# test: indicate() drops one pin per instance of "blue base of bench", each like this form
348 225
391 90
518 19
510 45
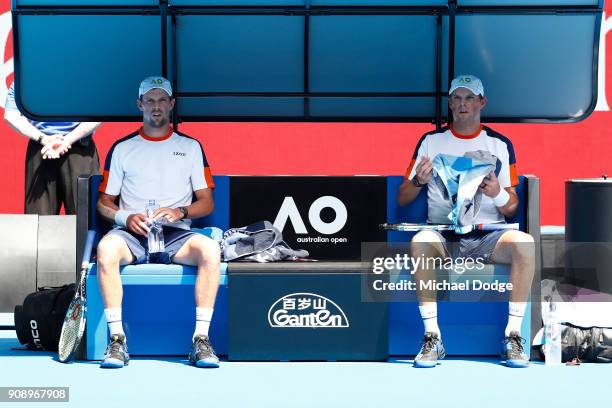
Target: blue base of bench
158 317
158 311
469 326
468 329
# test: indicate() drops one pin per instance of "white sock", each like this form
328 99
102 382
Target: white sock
113 318
516 311
429 313
203 318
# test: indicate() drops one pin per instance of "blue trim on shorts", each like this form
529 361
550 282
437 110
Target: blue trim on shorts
174 239
475 244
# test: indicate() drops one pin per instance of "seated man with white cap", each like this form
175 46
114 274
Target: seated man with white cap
161 164
467 137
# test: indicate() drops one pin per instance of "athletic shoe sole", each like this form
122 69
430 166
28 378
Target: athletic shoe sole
517 363
426 364
206 364
112 363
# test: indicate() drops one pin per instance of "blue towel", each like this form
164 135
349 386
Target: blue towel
461 177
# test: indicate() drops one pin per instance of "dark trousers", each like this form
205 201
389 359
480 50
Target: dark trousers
52 182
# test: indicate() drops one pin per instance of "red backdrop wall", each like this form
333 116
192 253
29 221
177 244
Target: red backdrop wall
553 152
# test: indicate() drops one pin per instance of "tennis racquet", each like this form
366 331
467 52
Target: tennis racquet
74 322
414 227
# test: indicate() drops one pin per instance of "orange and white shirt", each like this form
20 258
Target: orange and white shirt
169 170
485 142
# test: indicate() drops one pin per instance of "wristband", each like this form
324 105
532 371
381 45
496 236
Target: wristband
40 139
121 217
502 198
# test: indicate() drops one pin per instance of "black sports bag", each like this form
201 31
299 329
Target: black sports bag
591 344
39 321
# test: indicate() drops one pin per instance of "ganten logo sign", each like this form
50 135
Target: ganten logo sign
306 310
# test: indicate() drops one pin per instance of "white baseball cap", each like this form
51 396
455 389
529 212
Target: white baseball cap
470 82
155 82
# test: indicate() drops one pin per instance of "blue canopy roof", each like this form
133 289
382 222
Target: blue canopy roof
296 60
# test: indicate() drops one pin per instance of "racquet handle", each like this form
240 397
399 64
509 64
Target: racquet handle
89 241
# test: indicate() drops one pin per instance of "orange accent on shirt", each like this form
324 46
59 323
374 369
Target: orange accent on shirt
460 136
208 177
155 139
409 168
102 187
513 175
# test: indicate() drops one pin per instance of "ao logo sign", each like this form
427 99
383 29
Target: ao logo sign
290 211
306 310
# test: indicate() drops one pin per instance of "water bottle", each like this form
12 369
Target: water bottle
552 337
156 233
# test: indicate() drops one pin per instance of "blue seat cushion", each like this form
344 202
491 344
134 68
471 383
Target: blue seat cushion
157 274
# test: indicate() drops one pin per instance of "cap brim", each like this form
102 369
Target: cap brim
465 87
156 87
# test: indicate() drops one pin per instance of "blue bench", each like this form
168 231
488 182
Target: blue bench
158 299
468 328
158 304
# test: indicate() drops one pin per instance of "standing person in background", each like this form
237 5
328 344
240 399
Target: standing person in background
57 154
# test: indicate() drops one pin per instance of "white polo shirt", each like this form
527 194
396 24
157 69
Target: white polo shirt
484 143
169 169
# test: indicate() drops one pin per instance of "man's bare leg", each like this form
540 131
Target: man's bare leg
517 249
204 253
428 246
112 253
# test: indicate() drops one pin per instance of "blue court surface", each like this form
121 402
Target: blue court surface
170 382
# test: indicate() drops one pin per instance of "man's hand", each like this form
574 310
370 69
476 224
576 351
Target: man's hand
170 214
55 150
137 223
49 143
490 185
424 171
